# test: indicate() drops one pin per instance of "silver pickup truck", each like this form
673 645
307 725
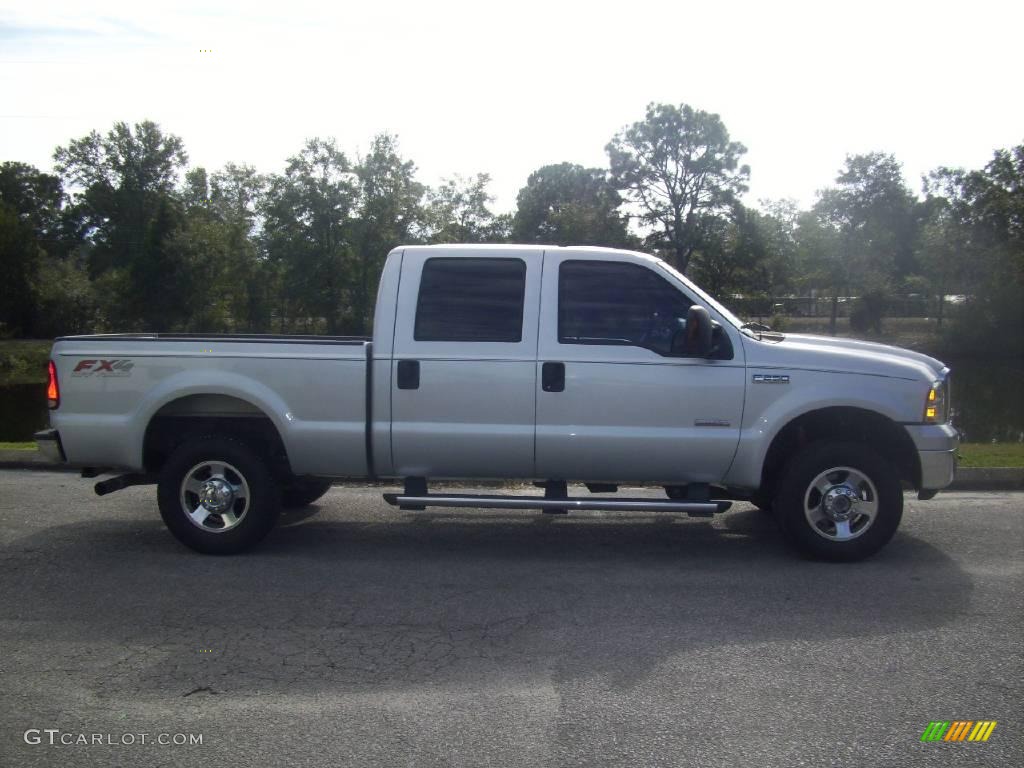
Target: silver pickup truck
559 365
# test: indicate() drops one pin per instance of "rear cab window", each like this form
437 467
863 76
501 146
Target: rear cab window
471 300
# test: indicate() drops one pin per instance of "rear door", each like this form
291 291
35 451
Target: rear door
463 390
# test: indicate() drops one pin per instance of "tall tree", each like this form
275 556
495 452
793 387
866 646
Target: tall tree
30 204
307 234
388 211
458 211
129 205
984 212
871 219
676 166
43 289
747 251
567 204
236 194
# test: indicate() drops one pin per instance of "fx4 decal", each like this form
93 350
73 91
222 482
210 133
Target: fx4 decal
103 368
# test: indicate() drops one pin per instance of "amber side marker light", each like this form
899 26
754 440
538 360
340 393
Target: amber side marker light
52 387
935 404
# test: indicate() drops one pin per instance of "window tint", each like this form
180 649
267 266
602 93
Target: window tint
607 302
471 300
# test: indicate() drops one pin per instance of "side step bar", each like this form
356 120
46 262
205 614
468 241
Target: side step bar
418 502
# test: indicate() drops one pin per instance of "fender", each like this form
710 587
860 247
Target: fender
208 382
770 407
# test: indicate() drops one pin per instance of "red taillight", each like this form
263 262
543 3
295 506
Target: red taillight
52 388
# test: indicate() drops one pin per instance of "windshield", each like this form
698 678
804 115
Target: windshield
705 297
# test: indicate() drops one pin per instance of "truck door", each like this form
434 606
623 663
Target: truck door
463 390
613 402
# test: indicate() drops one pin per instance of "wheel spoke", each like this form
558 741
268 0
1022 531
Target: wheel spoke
822 484
217 469
199 515
229 518
816 515
866 508
240 491
193 485
843 531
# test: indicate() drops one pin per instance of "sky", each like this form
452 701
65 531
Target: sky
506 87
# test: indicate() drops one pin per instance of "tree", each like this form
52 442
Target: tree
128 208
821 258
30 204
568 204
307 233
388 210
20 257
748 251
676 166
940 251
236 194
458 212
874 207
866 228
42 289
983 210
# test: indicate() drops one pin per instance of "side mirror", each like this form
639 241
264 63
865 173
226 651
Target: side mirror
695 339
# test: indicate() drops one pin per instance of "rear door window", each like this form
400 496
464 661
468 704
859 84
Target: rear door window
471 299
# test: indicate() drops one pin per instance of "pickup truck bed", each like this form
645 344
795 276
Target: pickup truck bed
313 388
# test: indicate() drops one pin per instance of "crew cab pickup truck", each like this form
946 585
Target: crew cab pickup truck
558 365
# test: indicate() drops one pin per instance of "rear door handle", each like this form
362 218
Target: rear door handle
408 374
552 377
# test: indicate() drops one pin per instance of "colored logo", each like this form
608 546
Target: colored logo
959 730
103 368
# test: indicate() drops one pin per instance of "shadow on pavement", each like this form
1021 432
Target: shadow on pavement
404 600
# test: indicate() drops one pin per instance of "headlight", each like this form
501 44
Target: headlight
936 404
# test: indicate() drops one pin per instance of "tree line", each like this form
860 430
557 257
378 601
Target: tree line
125 235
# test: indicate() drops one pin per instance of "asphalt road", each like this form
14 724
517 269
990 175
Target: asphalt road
357 635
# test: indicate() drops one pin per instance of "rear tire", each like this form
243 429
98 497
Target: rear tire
217 496
838 501
303 491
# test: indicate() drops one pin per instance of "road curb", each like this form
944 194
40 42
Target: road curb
967 478
988 479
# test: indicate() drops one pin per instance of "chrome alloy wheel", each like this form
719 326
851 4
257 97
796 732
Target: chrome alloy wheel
841 504
214 496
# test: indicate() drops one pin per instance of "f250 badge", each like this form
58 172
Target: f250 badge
103 368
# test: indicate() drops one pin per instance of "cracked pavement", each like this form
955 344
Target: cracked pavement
359 635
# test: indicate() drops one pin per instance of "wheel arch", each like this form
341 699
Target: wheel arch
211 413
848 424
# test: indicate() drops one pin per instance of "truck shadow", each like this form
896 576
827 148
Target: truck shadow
428 599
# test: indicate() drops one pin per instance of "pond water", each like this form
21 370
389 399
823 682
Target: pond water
988 400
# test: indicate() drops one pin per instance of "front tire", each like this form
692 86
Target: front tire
838 501
217 496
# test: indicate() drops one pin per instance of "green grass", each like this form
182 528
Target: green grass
17 446
992 455
23 361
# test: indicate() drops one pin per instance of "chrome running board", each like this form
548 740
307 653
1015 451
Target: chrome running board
693 508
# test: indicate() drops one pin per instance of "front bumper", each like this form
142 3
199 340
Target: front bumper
48 442
936 450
